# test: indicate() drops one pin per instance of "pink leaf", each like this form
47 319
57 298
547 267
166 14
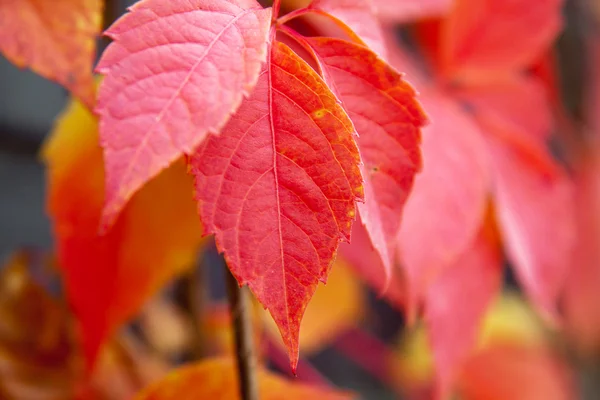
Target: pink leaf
446 207
165 89
359 16
411 10
534 198
534 203
456 303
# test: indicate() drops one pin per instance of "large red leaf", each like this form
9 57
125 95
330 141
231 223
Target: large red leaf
482 39
278 188
456 303
216 379
165 89
158 234
55 38
446 207
359 17
388 120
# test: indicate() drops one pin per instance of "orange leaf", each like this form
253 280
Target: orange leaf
40 359
482 39
219 334
216 379
55 38
109 277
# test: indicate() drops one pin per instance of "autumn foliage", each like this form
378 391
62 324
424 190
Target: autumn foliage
415 150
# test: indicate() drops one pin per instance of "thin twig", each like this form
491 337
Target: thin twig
112 10
244 344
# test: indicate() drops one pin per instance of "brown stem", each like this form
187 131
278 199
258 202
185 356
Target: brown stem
242 328
111 12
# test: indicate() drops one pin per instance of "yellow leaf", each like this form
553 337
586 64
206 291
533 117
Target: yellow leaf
109 277
216 379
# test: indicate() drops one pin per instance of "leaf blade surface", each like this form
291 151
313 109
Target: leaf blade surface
166 89
278 188
56 39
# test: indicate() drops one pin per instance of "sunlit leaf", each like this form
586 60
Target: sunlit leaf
388 120
278 188
166 89
55 38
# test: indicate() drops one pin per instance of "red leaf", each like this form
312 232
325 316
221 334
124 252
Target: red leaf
388 120
356 17
56 39
531 190
519 100
582 290
445 210
534 203
482 39
456 304
411 10
166 89
278 188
